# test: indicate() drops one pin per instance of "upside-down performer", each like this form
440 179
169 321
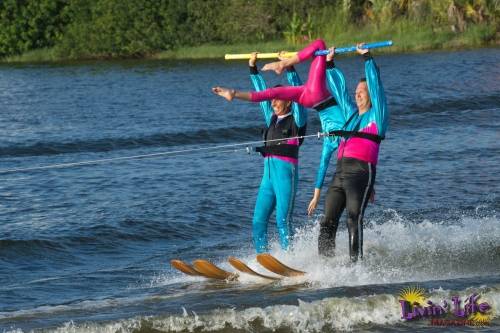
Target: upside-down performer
314 92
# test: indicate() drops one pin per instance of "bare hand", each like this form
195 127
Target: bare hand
224 92
331 53
312 206
253 59
281 55
372 196
360 50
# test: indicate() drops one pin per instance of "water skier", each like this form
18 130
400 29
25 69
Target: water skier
278 187
357 155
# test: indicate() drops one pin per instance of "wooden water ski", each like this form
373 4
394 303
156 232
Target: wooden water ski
242 267
275 266
184 267
212 271
207 269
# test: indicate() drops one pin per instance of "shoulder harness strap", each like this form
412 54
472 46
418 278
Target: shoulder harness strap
349 134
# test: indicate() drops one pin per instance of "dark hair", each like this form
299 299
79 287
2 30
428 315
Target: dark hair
289 105
363 79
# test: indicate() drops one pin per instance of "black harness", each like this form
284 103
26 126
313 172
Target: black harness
354 133
276 135
325 104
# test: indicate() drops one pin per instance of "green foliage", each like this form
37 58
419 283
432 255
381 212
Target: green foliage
116 28
293 33
28 25
300 30
73 29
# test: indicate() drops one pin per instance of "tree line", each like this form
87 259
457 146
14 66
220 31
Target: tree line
138 28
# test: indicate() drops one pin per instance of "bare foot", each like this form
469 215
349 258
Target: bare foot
224 92
278 67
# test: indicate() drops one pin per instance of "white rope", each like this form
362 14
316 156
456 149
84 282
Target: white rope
67 165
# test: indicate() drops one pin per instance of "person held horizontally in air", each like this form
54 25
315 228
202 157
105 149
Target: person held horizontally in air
284 122
313 93
357 155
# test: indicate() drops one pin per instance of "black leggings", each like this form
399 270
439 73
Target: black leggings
351 188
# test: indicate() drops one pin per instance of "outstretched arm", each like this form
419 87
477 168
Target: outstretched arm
231 94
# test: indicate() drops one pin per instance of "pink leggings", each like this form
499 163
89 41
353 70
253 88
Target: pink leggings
309 94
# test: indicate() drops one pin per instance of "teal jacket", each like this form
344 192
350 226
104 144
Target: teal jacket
374 121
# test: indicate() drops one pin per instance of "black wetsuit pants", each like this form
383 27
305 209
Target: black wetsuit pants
351 188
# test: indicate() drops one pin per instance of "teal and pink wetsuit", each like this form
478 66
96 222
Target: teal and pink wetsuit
335 118
374 121
357 157
280 179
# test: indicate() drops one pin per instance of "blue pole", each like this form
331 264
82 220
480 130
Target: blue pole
347 49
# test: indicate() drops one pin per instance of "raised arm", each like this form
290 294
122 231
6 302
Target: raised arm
299 112
377 94
337 85
259 84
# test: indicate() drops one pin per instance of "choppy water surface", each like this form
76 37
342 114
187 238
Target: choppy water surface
87 248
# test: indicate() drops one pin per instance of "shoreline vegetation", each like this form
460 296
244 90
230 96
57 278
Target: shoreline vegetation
60 31
213 52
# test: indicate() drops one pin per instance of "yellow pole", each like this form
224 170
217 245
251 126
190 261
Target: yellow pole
259 55
338 50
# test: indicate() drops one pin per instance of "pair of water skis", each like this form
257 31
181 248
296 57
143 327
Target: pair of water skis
207 269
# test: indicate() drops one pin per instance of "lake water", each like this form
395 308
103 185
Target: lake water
87 248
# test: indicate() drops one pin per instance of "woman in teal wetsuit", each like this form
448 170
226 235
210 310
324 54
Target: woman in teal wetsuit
284 120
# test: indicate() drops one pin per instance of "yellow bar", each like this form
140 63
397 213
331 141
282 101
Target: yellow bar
259 55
